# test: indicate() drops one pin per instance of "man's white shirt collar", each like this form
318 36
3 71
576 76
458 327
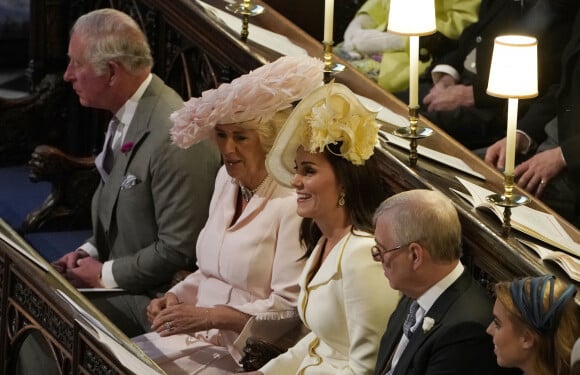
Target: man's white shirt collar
430 296
126 113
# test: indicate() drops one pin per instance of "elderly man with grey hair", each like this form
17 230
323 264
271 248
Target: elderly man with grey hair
439 324
153 197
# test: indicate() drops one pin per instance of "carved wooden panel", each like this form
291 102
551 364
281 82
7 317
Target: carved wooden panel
40 311
94 363
29 314
31 307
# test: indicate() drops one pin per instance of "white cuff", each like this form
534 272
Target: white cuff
107 278
442 69
90 249
530 142
563 158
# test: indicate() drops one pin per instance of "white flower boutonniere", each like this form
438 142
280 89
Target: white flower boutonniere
428 323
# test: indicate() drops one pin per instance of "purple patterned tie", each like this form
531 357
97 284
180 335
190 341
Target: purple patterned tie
109 157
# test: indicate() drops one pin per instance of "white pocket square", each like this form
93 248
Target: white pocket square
129 181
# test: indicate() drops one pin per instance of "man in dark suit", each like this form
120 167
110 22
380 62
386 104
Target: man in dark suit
453 91
439 324
153 197
549 135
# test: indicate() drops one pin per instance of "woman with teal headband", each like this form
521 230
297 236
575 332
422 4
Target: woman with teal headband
536 322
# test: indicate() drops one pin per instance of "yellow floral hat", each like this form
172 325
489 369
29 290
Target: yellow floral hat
328 115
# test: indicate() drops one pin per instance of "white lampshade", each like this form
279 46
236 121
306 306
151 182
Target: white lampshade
412 17
514 67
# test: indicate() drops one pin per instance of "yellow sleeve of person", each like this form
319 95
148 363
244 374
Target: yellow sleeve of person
452 17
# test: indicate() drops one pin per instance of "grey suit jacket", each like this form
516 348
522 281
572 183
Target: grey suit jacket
457 343
150 228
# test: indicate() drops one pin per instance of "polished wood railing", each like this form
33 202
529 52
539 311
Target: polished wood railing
32 303
27 297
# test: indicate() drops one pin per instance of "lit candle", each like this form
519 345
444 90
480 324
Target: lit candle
413 71
328 20
510 153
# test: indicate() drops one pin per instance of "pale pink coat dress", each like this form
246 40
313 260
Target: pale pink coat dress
252 266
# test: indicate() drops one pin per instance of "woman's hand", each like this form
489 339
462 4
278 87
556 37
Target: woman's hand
184 318
158 304
181 318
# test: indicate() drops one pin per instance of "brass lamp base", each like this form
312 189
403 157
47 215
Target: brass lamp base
239 8
508 200
330 68
247 10
514 201
420 132
413 133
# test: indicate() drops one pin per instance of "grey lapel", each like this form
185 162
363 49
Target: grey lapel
138 130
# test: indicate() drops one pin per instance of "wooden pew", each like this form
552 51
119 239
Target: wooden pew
181 25
31 303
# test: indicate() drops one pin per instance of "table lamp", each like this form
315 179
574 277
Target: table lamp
412 18
513 75
246 9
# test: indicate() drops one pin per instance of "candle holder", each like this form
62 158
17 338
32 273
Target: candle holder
247 10
330 68
413 133
422 16
508 200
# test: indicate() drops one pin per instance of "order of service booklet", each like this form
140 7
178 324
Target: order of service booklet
567 262
537 224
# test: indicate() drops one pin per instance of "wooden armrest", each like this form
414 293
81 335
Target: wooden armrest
49 163
10 104
73 180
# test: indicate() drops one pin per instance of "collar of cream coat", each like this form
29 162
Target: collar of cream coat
331 265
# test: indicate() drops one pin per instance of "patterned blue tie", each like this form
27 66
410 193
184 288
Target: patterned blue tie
411 319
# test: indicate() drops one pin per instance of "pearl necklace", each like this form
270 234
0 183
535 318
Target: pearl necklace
247 194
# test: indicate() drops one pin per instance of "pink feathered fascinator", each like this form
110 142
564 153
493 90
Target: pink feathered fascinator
255 96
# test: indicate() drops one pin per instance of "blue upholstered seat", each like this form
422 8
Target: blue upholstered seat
53 245
18 195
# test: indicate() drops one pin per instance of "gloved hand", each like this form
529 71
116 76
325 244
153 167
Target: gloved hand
362 37
358 23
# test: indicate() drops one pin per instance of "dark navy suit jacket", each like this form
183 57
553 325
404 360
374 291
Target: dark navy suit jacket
456 344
